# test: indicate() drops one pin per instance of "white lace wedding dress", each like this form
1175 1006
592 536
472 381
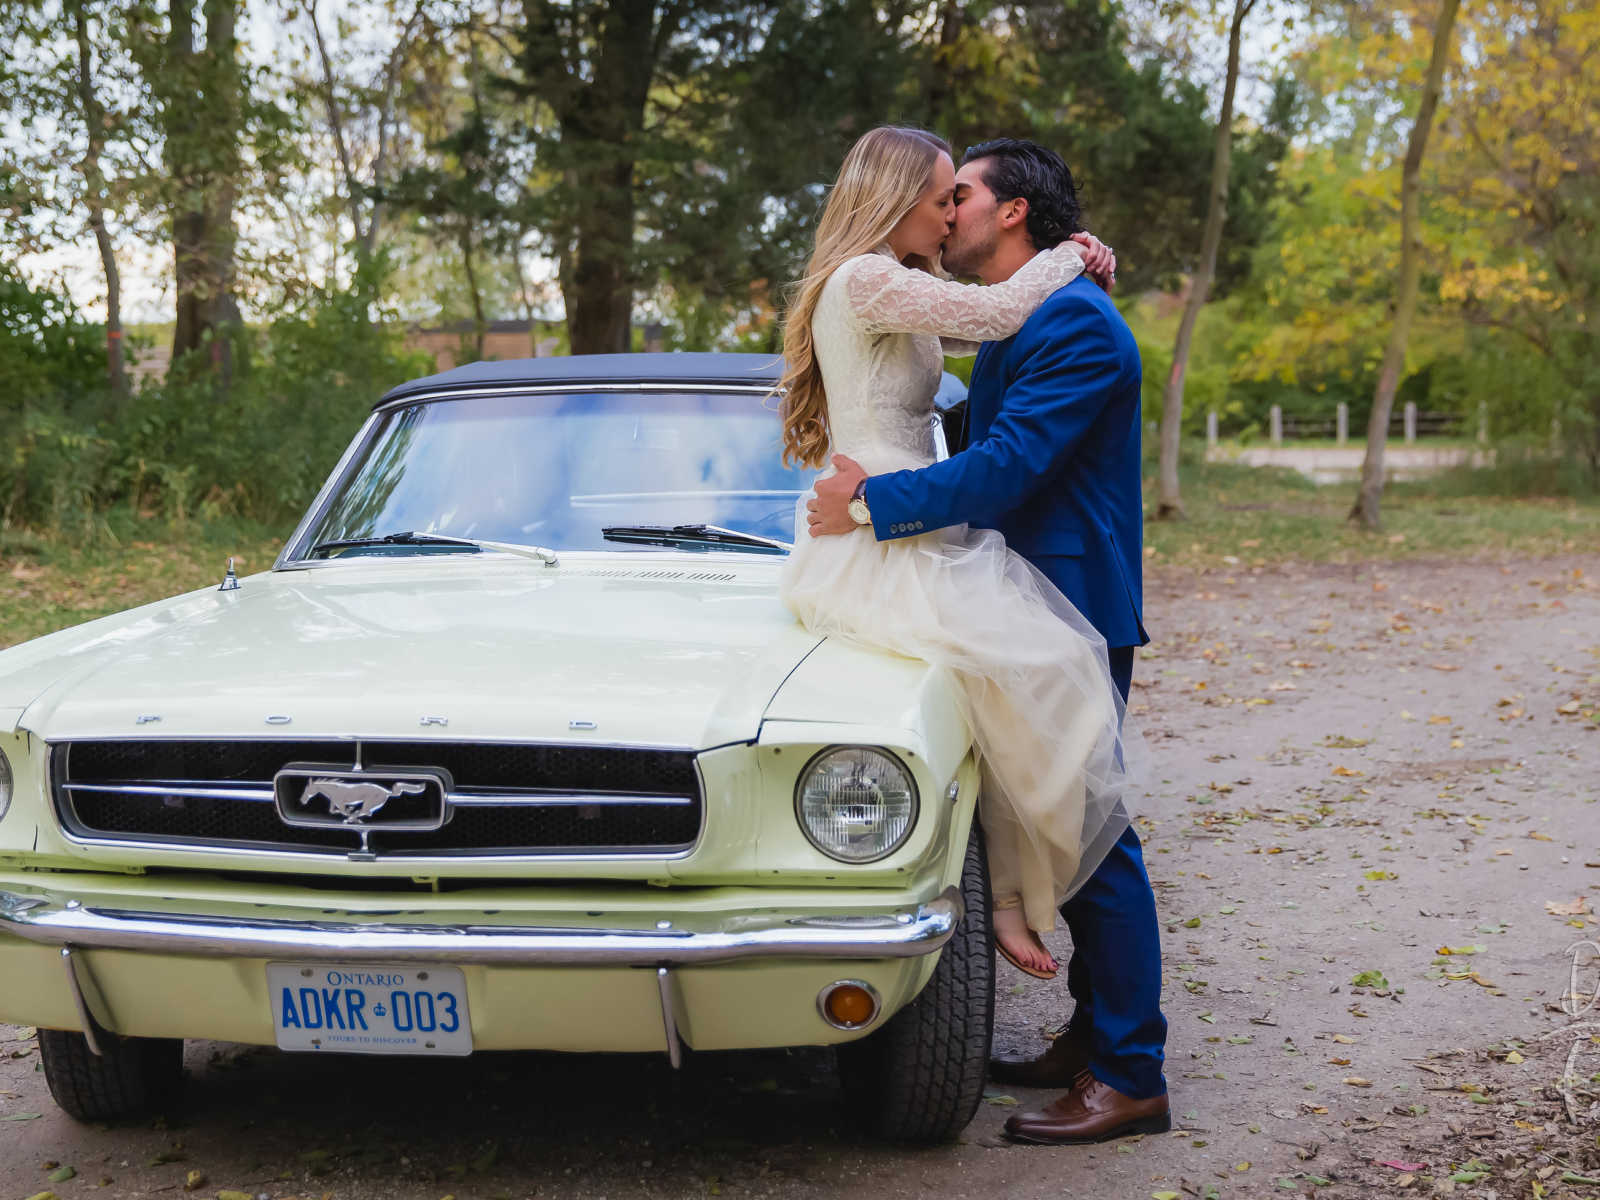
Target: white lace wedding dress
1033 672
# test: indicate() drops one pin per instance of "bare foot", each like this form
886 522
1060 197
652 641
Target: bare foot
1023 944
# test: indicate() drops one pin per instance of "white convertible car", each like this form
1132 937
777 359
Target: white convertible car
513 748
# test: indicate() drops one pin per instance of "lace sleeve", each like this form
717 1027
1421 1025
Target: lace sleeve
890 298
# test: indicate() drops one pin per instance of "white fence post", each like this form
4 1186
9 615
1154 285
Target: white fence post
1483 422
1275 425
1342 423
1411 421
1211 430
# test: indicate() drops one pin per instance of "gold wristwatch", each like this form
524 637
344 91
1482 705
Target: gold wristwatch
858 510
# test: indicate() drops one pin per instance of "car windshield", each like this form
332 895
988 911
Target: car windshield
555 469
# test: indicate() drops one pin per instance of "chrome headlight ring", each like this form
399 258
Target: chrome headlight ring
856 804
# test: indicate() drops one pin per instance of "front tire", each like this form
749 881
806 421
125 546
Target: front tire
133 1077
920 1078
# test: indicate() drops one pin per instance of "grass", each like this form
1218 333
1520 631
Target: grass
1253 516
49 583
1258 515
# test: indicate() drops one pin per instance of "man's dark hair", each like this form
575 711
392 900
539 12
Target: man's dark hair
1015 168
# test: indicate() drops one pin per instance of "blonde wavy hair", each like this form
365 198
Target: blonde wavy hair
881 180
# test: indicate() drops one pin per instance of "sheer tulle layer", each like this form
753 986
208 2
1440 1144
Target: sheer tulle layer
1033 678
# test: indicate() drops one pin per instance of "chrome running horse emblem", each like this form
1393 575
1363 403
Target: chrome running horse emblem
355 802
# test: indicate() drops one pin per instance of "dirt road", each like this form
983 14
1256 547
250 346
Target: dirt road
1356 767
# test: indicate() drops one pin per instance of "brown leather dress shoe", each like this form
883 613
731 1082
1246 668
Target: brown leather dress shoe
1091 1112
1066 1058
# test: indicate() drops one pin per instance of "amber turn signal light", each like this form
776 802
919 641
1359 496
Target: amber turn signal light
848 1004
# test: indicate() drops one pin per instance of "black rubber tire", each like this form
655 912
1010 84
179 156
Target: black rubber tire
920 1078
133 1077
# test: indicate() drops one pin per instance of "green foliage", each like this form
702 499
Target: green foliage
260 445
47 353
52 393
256 446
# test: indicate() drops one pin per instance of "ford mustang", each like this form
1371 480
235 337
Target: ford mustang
514 747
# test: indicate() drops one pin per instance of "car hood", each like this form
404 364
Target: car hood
667 650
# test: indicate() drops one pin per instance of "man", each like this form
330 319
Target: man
1052 462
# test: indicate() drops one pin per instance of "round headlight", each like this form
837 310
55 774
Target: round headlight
856 803
5 783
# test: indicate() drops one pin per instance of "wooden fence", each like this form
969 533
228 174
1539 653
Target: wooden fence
1408 424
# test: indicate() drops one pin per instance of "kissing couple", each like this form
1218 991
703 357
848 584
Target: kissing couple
1016 563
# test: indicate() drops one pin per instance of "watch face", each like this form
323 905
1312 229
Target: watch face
859 512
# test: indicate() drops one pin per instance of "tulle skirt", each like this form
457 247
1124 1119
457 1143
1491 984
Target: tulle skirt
1034 686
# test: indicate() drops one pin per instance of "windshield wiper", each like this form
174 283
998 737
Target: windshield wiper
548 557
704 537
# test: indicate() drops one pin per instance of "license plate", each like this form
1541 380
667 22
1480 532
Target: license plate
359 1009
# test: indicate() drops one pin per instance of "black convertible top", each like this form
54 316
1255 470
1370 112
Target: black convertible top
678 367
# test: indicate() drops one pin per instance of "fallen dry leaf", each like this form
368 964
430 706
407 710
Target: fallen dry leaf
1575 909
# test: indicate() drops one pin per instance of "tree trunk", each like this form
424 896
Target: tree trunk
1170 504
1365 512
188 225
95 191
368 247
479 324
221 308
600 302
607 117
202 125
352 190
942 82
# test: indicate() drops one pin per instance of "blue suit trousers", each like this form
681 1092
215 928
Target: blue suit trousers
1114 974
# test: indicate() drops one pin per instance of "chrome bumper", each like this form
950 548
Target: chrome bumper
892 933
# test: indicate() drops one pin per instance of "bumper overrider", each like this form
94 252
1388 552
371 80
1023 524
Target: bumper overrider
716 978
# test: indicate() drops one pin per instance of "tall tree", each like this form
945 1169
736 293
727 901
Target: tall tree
362 117
1058 71
1518 155
95 195
1170 502
70 84
193 70
672 136
1365 512
593 63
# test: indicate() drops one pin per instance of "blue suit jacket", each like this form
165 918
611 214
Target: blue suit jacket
1052 459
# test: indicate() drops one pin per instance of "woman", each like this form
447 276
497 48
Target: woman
863 354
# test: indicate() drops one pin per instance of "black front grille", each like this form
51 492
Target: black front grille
529 800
